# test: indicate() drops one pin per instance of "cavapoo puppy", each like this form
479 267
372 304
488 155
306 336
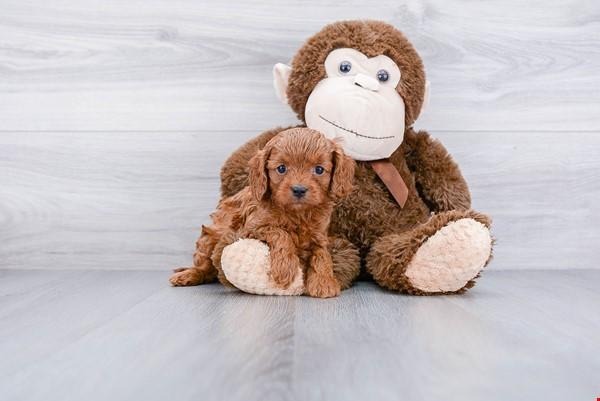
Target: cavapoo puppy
294 182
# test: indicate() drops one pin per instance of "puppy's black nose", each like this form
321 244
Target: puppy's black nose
299 191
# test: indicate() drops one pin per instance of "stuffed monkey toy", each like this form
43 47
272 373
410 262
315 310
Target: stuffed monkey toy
408 222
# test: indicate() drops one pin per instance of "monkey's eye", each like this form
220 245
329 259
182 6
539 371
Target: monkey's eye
281 169
319 170
345 67
383 76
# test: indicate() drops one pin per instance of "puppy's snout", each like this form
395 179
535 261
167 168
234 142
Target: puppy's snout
299 191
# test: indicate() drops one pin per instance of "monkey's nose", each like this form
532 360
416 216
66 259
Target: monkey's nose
299 191
366 82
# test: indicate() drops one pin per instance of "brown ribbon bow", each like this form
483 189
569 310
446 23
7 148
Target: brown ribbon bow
391 178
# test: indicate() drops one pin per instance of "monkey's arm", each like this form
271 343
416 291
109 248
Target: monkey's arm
438 177
234 173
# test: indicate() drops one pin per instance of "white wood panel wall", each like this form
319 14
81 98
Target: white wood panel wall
115 117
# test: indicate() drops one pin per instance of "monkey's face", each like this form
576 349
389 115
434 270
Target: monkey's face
335 88
358 102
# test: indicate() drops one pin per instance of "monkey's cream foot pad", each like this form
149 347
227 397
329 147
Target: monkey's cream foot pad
246 264
451 257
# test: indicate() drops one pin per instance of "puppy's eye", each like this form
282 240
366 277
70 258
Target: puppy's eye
345 67
383 76
281 169
319 170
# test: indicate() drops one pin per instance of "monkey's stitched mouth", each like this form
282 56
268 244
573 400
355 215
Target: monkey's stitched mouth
354 132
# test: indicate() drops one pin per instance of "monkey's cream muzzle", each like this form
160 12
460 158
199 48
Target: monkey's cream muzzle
370 122
352 103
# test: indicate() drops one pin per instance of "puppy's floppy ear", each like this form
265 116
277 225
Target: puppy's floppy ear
342 180
257 174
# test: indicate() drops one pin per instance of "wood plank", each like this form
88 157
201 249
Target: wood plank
542 191
517 335
133 200
179 343
44 312
179 65
106 200
508 338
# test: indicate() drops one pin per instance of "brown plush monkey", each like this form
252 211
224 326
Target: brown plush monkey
409 217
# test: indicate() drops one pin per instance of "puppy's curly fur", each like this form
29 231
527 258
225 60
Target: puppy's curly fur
294 182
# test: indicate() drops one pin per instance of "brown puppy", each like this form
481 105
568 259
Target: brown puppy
293 184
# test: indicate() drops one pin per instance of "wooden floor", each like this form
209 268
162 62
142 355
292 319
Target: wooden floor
128 335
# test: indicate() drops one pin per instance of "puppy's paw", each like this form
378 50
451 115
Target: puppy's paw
185 276
321 286
284 274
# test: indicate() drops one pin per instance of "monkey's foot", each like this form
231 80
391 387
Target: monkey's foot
246 264
450 258
442 256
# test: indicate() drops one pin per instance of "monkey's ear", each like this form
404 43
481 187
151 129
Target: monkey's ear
257 174
281 75
426 97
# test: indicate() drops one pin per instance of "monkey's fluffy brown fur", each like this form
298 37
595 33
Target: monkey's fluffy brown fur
275 209
370 220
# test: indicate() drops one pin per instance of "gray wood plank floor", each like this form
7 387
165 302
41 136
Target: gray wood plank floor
122 335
